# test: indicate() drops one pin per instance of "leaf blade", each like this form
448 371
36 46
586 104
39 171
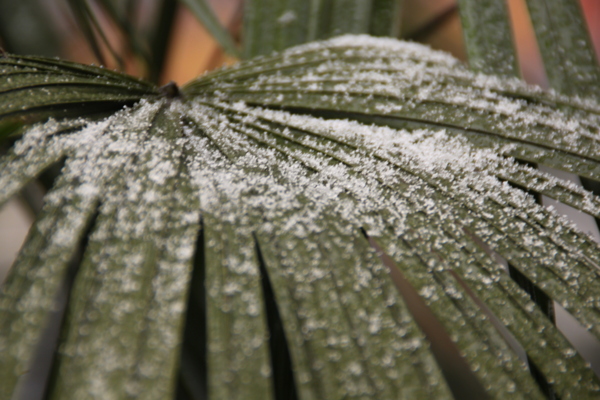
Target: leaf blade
488 37
580 75
205 14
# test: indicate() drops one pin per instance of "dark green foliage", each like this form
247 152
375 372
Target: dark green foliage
327 222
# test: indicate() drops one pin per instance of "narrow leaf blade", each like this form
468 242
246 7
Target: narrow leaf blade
205 14
488 37
564 42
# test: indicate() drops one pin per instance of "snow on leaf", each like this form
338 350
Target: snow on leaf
285 159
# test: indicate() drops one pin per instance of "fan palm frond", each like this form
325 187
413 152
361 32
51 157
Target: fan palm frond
347 218
272 178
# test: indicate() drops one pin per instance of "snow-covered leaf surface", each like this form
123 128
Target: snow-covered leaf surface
336 201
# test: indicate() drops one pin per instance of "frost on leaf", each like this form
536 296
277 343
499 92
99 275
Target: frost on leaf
283 160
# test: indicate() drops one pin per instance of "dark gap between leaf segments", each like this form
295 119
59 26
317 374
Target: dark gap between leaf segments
515 345
460 379
284 384
546 304
33 194
39 383
538 297
594 187
193 374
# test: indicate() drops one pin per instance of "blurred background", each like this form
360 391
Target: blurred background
182 49
50 28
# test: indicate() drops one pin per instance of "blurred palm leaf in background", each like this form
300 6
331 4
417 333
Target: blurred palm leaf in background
336 216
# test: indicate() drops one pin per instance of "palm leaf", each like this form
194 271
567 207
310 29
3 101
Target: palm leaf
92 31
488 38
15 36
63 88
146 265
579 75
204 13
273 25
291 187
159 40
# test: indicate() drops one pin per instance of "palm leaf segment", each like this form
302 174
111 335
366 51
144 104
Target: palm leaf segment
272 199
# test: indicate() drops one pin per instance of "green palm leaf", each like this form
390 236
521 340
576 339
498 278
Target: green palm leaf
343 219
205 14
578 73
34 88
271 199
488 37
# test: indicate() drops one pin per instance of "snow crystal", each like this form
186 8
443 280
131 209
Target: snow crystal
287 17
